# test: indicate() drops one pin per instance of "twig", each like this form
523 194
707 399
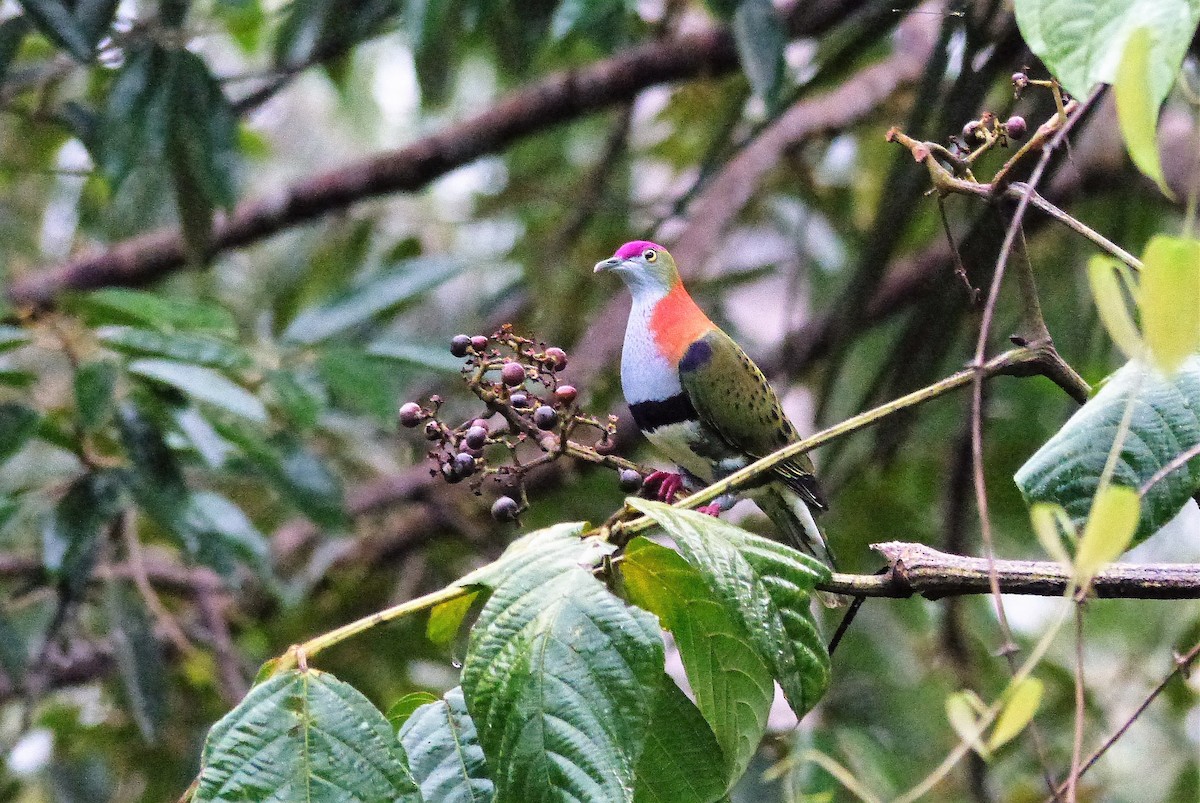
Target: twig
1080 702
1177 462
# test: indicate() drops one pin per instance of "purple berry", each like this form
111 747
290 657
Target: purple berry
512 374
544 417
476 437
479 343
557 357
505 508
519 400
605 446
1015 127
566 394
432 431
459 345
464 465
449 474
630 481
410 414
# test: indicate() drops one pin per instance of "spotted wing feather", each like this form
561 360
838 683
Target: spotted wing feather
733 398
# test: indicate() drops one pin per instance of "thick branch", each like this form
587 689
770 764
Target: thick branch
557 99
919 569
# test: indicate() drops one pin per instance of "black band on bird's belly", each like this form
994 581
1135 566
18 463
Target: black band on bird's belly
650 415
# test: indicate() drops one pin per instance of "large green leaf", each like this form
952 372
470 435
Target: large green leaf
18 423
138 657
188 347
444 753
375 296
72 531
94 385
54 19
559 674
602 21
678 763
1081 41
203 384
732 683
1164 424
123 306
763 585
304 736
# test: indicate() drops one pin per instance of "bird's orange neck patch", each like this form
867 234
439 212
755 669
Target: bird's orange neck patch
677 322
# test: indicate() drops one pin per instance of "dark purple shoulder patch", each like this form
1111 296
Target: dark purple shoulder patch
697 356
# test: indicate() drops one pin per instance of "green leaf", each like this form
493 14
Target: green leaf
54 19
1109 530
94 384
1164 423
304 735
1169 299
122 306
138 658
601 21
444 752
12 33
1052 525
71 532
154 477
95 17
360 382
446 619
221 528
1137 112
18 424
14 650
12 337
420 355
761 37
559 674
198 349
1082 41
963 716
400 711
731 682
15 378
302 403
1110 280
764 585
203 384
299 475
678 764
1021 703
213 449
374 297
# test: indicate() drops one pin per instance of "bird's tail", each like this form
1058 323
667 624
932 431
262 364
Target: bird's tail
795 521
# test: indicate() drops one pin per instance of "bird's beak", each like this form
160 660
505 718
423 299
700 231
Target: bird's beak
606 264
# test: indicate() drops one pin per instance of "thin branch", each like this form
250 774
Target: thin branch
1080 705
920 570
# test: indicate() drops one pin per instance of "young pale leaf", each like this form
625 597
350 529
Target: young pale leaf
964 718
304 735
732 683
446 619
1136 110
122 306
54 19
376 296
680 763
1109 530
203 384
1169 300
94 384
399 712
444 753
761 37
189 347
1021 703
18 424
1050 524
559 674
764 585
138 658
1103 273
1082 41
1164 423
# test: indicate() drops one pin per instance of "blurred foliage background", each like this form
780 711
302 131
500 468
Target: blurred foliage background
319 194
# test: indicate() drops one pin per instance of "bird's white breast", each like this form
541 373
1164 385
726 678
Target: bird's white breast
646 375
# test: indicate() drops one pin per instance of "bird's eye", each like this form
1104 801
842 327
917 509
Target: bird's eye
649 255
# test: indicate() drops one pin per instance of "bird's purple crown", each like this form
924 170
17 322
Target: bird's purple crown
636 247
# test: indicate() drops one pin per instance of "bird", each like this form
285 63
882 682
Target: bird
703 403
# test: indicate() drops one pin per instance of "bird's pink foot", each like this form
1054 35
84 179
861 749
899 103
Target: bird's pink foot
713 510
664 485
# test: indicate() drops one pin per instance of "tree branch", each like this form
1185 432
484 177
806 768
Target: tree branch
559 98
916 569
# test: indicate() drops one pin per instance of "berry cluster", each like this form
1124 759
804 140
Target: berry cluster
530 419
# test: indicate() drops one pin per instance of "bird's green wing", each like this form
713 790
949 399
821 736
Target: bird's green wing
733 398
